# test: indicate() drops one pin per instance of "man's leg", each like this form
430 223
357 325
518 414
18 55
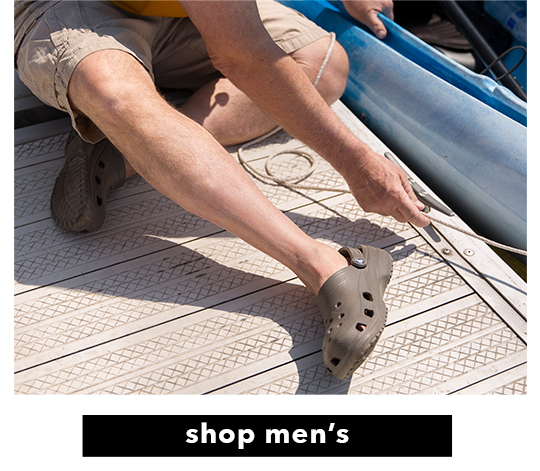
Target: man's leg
232 118
222 109
164 146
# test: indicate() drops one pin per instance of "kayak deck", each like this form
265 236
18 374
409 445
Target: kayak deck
159 301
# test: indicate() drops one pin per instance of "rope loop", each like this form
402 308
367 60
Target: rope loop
294 178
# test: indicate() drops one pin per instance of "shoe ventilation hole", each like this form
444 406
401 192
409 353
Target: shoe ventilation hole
330 321
369 312
99 201
101 164
98 180
335 361
342 315
368 296
360 327
338 304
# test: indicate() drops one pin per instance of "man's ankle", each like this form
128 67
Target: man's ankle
326 262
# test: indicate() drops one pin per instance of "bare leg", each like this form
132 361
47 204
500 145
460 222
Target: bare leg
185 162
232 118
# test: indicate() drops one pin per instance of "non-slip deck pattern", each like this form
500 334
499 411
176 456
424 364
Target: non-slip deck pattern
159 301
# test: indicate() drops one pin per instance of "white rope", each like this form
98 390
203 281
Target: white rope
293 182
476 236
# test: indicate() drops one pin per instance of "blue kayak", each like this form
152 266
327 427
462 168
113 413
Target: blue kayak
462 133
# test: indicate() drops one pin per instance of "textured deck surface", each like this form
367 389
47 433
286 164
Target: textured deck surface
159 301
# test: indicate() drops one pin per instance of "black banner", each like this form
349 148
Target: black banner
267 435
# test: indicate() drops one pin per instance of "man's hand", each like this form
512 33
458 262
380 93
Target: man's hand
381 187
366 13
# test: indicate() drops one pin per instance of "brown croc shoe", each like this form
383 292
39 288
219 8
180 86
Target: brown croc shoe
90 173
351 302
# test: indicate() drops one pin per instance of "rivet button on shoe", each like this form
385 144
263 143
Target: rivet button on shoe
359 263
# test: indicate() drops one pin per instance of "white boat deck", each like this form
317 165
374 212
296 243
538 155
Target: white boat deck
159 301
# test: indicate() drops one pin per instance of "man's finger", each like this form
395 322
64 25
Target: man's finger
375 24
412 214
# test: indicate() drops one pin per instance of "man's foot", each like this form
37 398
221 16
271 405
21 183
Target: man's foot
90 173
351 303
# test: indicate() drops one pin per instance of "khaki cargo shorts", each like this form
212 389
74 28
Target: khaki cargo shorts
171 49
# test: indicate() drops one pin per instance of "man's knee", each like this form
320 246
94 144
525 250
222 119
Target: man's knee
334 77
105 80
337 71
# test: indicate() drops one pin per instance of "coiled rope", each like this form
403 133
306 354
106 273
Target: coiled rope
293 183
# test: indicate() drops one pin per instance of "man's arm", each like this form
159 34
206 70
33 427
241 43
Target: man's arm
243 51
